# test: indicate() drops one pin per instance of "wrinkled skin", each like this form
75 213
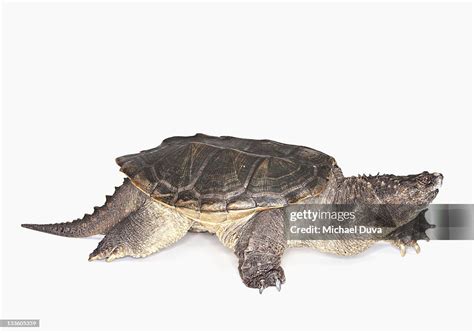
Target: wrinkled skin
416 190
135 225
259 264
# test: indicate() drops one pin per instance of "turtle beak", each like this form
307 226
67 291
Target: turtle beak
429 183
438 179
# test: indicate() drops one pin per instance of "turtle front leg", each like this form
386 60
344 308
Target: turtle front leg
149 229
408 234
259 249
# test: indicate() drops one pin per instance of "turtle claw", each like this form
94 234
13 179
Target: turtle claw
416 247
109 253
403 250
402 246
278 284
273 278
262 287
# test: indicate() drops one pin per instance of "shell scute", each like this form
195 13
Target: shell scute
217 174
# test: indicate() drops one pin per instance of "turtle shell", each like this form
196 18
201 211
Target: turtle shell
218 174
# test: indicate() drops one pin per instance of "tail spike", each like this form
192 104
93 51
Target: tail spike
125 199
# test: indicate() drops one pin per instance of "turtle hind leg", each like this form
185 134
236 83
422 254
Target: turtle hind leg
409 234
259 248
149 229
125 200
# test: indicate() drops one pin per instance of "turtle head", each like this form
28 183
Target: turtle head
417 190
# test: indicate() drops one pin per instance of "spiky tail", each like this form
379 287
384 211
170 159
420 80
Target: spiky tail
126 199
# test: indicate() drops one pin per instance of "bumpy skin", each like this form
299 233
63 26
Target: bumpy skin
260 247
217 175
143 232
134 225
117 207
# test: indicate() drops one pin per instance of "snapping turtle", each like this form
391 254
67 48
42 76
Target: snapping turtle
236 188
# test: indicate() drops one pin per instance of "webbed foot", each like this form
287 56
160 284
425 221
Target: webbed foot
259 249
407 235
143 232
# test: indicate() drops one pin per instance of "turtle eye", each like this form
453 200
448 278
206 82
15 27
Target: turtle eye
425 179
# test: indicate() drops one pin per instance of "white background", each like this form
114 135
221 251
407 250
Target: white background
382 87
